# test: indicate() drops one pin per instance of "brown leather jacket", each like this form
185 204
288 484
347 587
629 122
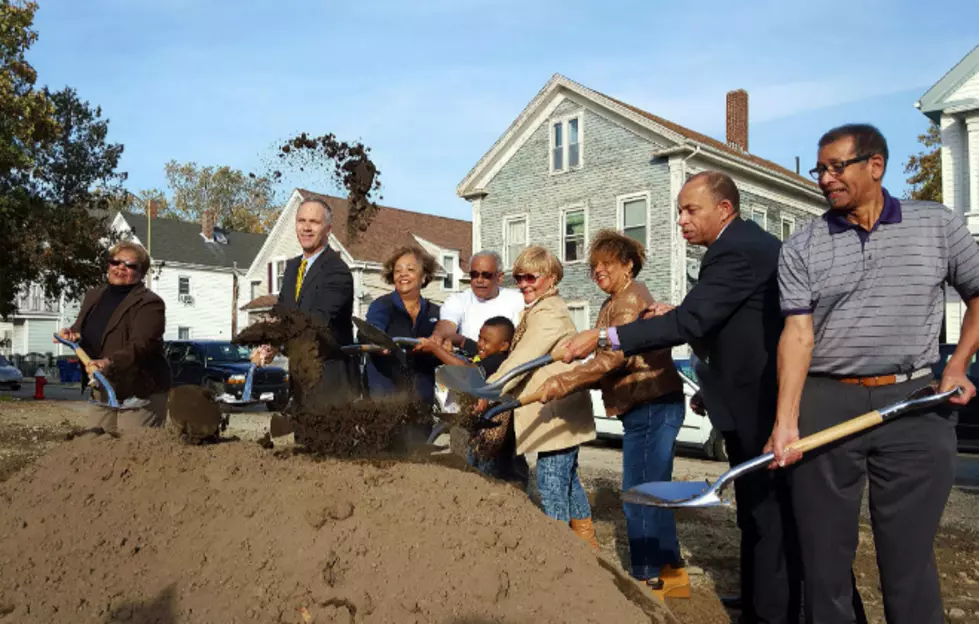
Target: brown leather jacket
132 342
625 381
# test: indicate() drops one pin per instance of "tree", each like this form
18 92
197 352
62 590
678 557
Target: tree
241 202
925 168
54 168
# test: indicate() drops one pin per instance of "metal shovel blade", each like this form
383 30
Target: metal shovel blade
467 380
366 331
673 494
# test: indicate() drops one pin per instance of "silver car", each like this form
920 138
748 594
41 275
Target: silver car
10 376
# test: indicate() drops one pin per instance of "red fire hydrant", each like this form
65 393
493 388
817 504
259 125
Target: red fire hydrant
40 378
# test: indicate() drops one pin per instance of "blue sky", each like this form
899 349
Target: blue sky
429 85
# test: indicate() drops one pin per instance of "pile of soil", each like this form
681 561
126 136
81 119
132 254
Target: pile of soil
143 528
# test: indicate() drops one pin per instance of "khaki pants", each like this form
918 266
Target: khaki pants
152 415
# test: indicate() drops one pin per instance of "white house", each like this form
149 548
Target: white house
196 270
30 328
953 104
448 240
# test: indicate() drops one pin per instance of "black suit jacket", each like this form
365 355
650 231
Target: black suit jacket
327 294
732 320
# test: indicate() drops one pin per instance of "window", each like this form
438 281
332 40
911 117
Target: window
183 285
759 216
788 227
558 146
256 290
566 144
514 238
632 217
183 333
574 235
579 314
448 263
280 272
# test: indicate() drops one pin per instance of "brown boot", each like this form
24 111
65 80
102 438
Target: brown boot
586 531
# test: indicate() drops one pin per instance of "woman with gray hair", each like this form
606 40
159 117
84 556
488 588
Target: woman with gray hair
120 326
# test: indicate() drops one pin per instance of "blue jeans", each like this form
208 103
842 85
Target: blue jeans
561 493
647 455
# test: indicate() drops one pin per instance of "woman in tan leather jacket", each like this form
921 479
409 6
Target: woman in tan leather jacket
645 392
556 430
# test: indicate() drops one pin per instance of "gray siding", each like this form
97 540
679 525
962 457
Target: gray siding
616 162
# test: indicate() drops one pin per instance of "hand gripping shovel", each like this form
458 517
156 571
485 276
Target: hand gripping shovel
677 494
113 403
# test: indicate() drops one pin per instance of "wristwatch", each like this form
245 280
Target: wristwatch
603 342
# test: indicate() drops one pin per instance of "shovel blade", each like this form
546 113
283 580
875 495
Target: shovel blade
673 494
460 378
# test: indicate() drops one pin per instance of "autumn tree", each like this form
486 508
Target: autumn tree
53 158
925 167
241 202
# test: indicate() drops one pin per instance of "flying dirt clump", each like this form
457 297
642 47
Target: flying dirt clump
347 164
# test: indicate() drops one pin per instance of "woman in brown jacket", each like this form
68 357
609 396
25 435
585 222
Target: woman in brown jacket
120 326
645 392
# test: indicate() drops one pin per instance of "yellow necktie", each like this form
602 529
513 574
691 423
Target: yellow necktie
299 278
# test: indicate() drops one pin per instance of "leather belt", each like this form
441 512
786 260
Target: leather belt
886 380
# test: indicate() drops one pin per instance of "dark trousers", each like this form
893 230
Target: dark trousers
771 583
910 463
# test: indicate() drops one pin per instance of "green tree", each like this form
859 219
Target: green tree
925 168
241 202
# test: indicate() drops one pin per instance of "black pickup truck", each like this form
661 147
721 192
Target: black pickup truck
222 367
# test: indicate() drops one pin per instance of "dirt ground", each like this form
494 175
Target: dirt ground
708 537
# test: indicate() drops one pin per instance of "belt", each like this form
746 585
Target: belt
886 380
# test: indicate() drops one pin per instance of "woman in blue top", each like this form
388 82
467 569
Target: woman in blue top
405 313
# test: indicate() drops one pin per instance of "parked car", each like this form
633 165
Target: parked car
10 375
696 433
967 429
222 367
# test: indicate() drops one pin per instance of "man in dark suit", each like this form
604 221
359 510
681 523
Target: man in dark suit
319 283
732 321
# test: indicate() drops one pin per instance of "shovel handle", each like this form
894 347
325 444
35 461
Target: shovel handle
834 433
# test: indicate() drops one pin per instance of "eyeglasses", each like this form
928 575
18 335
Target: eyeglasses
132 266
526 277
486 275
836 169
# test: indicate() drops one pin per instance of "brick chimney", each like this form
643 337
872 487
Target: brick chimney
737 119
207 224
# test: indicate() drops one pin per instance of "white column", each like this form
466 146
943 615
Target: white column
678 244
952 132
477 223
971 181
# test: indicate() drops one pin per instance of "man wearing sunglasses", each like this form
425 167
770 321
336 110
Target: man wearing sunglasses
463 314
861 290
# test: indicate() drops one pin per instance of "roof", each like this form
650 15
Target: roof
718 145
933 101
392 228
181 241
672 131
259 303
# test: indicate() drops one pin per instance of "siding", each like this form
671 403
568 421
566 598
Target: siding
615 162
969 90
209 316
40 335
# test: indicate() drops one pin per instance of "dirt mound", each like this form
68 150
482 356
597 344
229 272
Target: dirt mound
143 528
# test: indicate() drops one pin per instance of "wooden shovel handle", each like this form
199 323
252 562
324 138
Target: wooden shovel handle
836 432
533 397
82 356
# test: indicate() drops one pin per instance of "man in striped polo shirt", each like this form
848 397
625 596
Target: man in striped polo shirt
861 289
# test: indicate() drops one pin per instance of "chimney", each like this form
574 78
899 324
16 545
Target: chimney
737 119
152 208
207 225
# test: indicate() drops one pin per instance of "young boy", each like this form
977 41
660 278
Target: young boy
491 451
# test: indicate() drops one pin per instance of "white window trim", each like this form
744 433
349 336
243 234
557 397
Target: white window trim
508 262
275 274
190 333
553 121
583 304
782 221
190 285
764 212
620 202
455 269
564 213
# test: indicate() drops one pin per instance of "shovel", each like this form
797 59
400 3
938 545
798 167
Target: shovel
468 379
246 393
368 332
131 403
678 494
